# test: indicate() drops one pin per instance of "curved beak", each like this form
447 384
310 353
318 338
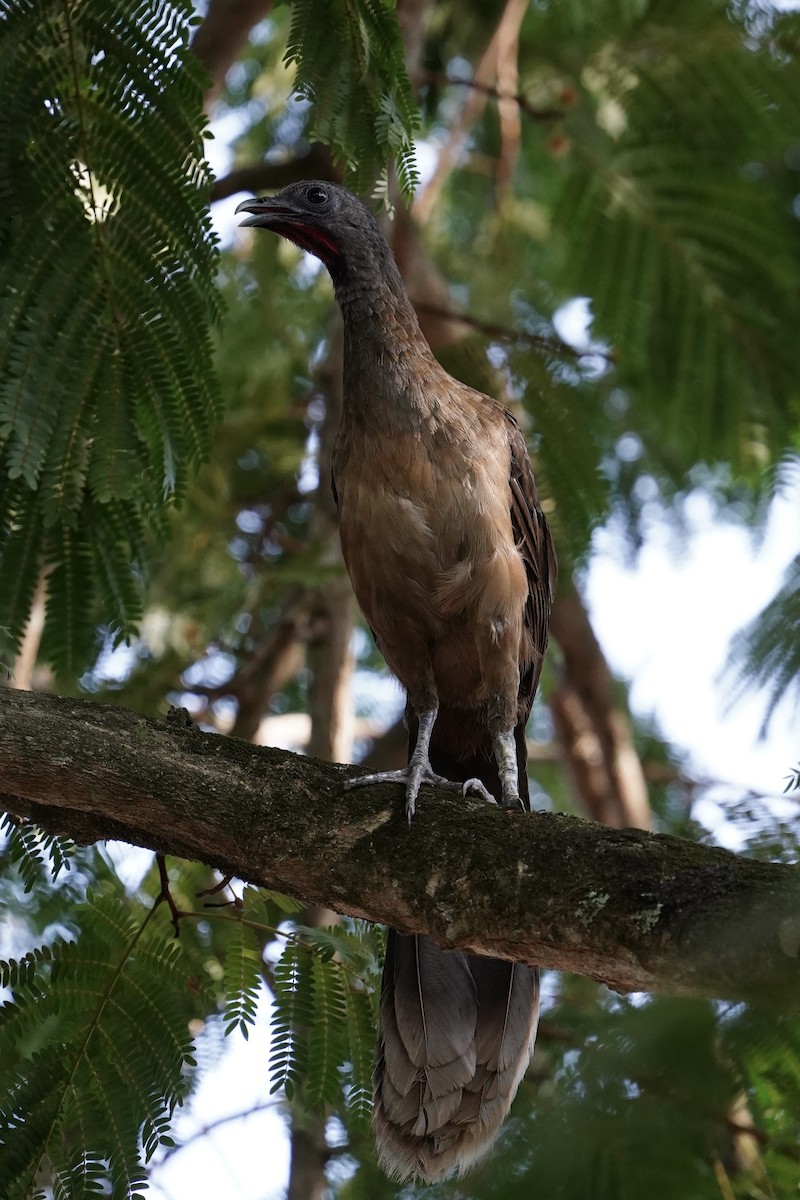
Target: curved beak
266 212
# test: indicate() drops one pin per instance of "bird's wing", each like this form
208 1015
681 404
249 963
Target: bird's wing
535 544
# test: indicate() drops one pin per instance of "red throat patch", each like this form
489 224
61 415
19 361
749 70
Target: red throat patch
308 237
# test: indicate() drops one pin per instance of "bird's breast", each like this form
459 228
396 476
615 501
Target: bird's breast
426 527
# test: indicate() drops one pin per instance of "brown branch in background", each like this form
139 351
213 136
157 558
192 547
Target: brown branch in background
203 1131
411 19
329 655
388 752
270 176
21 674
329 659
485 73
507 107
592 726
272 663
308 1157
222 35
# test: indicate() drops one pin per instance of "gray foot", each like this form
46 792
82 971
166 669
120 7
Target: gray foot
413 777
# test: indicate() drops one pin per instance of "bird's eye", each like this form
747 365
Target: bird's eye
316 195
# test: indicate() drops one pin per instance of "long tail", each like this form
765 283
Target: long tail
456 1030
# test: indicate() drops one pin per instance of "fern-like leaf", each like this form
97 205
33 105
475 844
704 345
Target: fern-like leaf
292 1019
93 1053
242 979
34 849
326 1043
675 224
350 63
763 655
107 392
361 1033
323 1035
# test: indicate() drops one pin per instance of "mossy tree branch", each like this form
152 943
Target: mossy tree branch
635 910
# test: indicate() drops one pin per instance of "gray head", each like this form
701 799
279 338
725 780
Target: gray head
333 224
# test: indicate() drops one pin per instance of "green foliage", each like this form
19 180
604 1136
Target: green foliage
107 395
35 851
323 1031
362 1020
765 1049
350 64
93 1049
626 1098
761 655
257 917
676 223
242 979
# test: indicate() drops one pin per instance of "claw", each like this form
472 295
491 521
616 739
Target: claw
478 789
512 802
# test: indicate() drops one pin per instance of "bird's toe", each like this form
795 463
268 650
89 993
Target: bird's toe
377 777
476 788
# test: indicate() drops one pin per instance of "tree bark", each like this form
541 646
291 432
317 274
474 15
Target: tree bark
635 910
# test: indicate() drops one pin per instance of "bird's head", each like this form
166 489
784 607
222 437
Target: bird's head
329 222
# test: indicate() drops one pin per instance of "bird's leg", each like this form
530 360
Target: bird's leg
505 752
419 769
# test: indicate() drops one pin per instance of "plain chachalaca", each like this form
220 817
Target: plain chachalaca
452 564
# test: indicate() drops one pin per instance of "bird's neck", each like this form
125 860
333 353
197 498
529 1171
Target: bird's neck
388 364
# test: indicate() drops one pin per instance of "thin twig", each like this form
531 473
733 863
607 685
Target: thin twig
205 1130
495 93
551 344
165 895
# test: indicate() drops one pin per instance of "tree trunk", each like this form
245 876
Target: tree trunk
591 724
222 35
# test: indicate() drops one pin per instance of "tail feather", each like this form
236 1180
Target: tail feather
456 1030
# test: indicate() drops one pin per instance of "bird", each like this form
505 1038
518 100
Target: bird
453 566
